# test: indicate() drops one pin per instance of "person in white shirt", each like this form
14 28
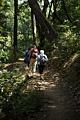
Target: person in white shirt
41 61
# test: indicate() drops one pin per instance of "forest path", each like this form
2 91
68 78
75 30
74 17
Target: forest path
57 102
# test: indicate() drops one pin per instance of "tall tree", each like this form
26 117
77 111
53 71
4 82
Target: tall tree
34 28
15 26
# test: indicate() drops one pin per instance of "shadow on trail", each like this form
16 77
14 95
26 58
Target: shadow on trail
34 99
58 104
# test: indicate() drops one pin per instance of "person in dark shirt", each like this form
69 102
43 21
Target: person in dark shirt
26 59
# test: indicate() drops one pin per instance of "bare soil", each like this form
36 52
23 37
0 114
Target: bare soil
57 102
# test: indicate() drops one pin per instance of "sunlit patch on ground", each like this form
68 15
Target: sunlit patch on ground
51 106
21 59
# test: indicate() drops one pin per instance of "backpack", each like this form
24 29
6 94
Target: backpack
26 56
34 53
42 60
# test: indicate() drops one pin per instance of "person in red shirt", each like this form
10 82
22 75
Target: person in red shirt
33 62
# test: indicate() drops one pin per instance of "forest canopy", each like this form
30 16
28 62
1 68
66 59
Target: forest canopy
42 22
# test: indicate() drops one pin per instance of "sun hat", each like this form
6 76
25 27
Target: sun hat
42 51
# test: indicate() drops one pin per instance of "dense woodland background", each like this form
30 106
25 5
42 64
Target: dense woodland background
50 24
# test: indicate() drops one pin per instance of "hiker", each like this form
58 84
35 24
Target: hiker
41 61
33 62
26 59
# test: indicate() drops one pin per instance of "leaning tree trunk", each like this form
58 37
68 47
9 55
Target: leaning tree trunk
41 33
40 18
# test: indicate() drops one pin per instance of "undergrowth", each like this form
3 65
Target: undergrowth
18 100
71 76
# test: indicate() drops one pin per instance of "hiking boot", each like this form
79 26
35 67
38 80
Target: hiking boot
41 77
26 68
30 75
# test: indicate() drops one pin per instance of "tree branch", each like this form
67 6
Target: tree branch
49 31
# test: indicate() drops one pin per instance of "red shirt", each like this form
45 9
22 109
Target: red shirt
33 53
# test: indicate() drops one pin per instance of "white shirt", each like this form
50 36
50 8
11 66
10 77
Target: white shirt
38 58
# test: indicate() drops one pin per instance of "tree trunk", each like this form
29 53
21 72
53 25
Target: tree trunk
50 9
49 31
46 3
15 27
41 33
64 6
55 3
34 28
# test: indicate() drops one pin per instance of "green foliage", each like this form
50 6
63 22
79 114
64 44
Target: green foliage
71 75
7 29
68 31
17 101
5 53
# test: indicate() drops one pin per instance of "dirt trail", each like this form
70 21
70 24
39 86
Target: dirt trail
57 103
